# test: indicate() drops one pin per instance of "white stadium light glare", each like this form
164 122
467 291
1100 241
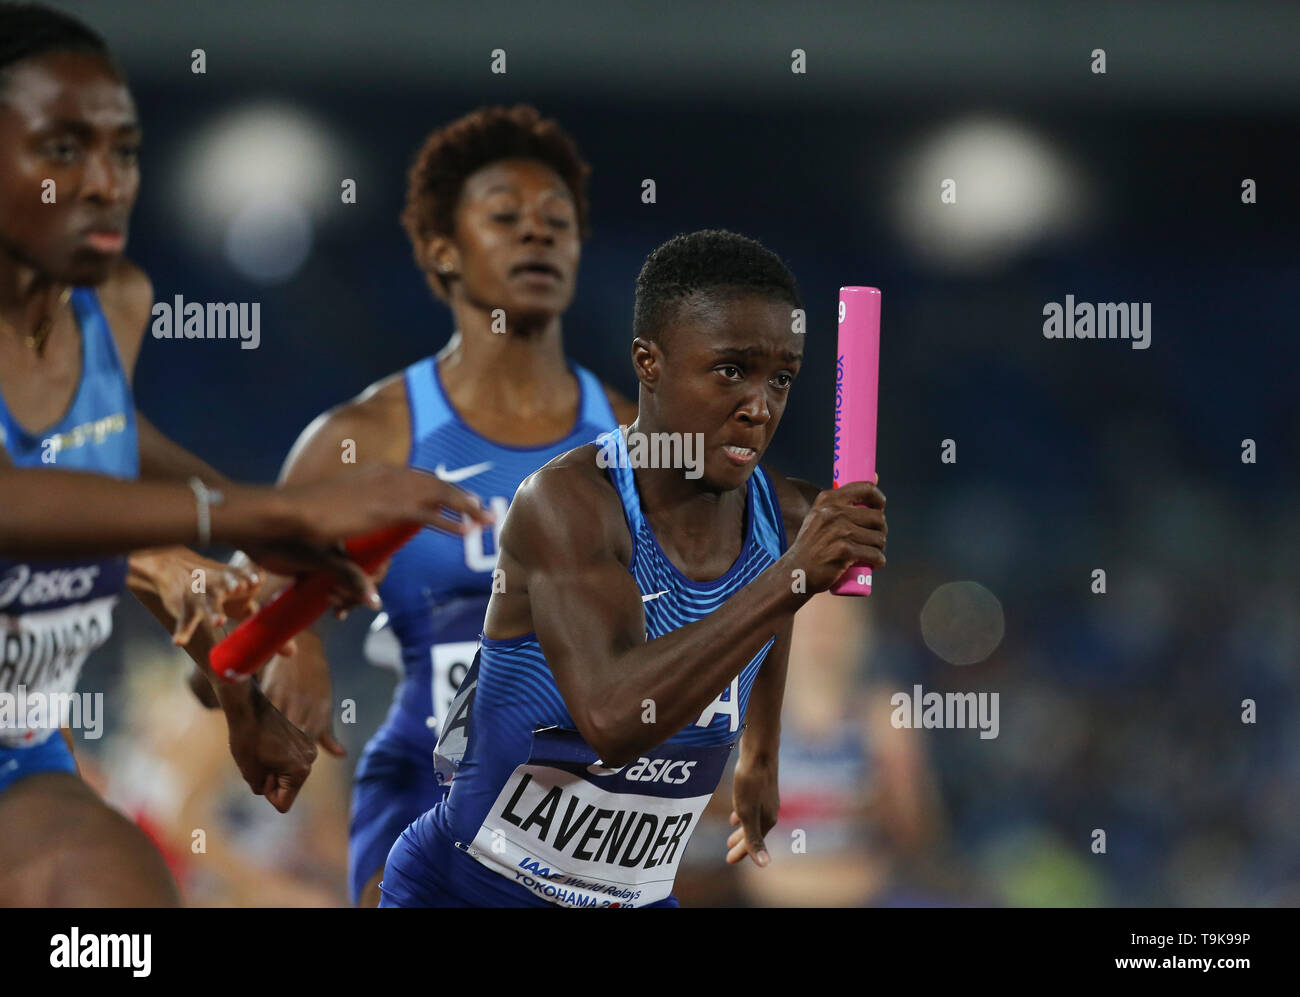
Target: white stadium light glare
976 192
253 182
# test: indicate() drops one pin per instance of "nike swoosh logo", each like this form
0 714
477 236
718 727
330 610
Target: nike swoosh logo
656 595
461 473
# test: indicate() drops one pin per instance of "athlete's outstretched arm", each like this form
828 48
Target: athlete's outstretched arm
562 542
52 513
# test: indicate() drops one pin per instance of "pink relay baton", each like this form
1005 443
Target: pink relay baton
857 379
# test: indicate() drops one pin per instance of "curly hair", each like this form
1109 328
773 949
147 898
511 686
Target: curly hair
455 151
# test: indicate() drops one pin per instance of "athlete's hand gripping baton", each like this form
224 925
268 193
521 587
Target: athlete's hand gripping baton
255 641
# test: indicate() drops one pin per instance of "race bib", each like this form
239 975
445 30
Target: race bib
41 654
453 725
579 834
450 663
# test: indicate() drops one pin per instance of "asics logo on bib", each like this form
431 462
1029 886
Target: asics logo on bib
23 587
660 770
670 770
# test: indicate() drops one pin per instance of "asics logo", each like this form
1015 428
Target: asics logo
650 770
660 770
22 586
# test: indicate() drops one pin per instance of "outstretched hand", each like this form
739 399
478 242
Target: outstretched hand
194 591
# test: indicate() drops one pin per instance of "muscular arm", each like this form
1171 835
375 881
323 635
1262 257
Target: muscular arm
563 539
53 514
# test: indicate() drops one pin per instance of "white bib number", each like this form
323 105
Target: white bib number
569 830
450 663
41 655
453 728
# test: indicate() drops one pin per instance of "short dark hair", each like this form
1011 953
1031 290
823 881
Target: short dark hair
452 153
30 29
712 262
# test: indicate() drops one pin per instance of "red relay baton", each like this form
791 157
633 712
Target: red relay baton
257 640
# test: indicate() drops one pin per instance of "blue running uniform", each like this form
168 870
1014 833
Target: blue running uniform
533 817
53 614
436 594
